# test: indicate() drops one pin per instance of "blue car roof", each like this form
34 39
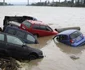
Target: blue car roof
67 32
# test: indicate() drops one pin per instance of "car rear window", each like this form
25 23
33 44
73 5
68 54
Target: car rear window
27 24
30 38
75 34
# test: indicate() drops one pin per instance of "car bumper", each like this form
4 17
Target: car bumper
80 43
41 56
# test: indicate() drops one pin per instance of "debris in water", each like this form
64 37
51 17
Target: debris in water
74 57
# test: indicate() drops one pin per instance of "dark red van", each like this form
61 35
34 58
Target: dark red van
37 28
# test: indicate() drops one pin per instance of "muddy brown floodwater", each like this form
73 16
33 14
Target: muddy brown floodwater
57 56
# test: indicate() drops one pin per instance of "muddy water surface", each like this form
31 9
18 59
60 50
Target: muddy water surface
57 56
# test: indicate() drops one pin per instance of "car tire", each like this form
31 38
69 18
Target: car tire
32 57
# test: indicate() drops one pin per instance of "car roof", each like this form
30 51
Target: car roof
16 28
67 32
36 22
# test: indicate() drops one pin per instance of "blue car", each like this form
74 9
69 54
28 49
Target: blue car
71 37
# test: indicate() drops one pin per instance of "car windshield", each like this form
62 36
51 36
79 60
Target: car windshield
26 23
75 34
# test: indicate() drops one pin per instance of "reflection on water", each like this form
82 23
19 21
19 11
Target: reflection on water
43 41
71 51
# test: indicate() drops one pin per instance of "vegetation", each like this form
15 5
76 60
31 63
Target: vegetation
1 4
72 3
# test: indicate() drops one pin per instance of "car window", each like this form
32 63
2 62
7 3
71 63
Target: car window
11 31
30 38
27 24
63 37
14 40
36 27
42 27
48 28
75 34
20 34
1 37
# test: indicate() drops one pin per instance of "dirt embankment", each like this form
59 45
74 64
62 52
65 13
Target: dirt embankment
8 63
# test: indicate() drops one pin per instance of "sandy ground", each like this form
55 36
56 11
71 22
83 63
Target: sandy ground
57 55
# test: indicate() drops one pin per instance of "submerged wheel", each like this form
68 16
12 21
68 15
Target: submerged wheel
32 57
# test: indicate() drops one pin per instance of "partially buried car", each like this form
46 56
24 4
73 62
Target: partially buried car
14 47
70 37
37 28
27 37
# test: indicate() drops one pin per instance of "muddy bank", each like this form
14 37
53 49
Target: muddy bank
8 63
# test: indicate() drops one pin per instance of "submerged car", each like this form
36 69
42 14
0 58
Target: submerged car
27 37
17 19
71 37
37 28
14 47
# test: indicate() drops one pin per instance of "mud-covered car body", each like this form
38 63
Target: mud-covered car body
37 28
71 37
17 19
14 47
25 36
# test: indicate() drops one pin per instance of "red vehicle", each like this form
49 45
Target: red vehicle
37 28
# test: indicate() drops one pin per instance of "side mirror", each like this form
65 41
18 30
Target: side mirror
24 45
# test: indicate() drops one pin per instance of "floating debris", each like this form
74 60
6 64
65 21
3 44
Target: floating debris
74 57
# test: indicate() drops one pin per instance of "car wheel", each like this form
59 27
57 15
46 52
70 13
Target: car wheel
32 57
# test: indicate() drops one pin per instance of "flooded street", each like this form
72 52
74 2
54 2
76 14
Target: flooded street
57 56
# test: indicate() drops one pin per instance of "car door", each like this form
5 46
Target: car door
42 30
14 46
45 30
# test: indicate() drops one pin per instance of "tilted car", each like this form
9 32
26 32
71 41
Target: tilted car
17 19
37 28
71 37
27 37
14 47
